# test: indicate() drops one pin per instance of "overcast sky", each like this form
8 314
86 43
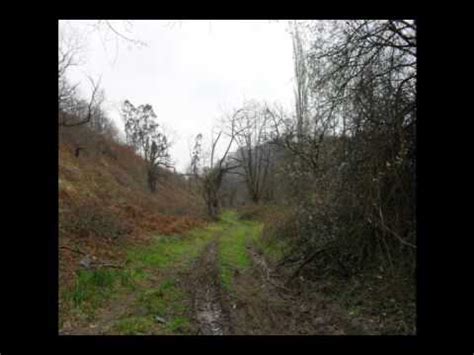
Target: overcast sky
190 71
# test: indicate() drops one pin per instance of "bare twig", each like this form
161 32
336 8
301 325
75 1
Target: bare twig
76 250
306 262
131 40
396 235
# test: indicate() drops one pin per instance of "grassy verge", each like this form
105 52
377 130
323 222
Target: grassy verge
93 288
167 303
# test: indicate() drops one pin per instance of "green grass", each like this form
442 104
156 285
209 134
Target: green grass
166 251
167 301
228 218
165 255
179 325
233 254
160 301
93 289
135 325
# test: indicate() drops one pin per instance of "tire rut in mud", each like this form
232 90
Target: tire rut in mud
209 310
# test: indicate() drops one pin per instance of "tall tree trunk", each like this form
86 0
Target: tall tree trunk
152 181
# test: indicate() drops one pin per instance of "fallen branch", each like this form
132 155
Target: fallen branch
90 264
266 271
116 266
400 239
304 263
76 250
278 286
288 260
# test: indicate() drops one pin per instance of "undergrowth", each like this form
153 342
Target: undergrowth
380 298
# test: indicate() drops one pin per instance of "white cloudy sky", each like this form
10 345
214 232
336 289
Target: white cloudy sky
190 71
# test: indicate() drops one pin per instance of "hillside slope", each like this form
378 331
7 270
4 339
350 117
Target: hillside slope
105 206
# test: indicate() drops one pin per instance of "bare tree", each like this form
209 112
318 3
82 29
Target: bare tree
124 34
254 152
196 155
213 174
146 136
386 47
70 48
352 169
157 156
301 78
81 113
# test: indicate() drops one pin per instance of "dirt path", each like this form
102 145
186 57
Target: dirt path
207 298
218 294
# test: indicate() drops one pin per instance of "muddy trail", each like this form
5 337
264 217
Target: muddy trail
258 302
216 281
210 315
